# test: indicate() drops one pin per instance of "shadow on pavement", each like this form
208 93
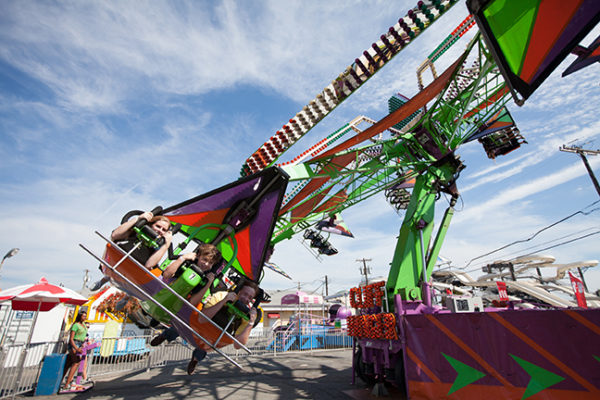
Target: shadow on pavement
322 375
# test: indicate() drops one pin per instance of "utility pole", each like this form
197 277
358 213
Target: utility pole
365 270
582 153
86 278
326 287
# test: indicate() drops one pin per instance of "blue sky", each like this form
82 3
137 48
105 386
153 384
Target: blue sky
111 106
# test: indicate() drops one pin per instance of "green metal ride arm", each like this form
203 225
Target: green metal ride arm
412 264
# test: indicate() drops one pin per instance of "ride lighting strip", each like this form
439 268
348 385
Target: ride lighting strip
456 34
452 38
322 145
395 39
314 150
103 262
318 147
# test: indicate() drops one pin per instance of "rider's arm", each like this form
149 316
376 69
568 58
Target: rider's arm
124 230
155 258
243 336
169 272
196 298
211 311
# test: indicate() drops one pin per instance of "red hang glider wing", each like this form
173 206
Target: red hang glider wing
260 195
529 38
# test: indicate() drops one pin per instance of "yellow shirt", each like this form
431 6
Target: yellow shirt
216 298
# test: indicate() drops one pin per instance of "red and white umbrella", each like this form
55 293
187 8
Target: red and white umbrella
41 296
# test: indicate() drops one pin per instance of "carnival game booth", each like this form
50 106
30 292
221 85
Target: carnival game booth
110 324
302 300
304 319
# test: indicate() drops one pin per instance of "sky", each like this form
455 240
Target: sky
110 106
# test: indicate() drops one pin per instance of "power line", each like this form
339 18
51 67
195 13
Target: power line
537 233
550 247
568 241
511 254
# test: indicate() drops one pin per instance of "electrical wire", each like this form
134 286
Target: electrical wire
514 254
567 242
538 232
551 247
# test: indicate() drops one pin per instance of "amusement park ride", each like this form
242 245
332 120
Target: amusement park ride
430 351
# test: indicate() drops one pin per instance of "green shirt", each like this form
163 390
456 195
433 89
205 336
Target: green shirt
80 331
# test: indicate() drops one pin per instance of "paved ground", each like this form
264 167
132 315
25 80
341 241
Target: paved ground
322 375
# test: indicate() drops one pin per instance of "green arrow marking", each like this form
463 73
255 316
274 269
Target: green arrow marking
540 377
597 358
465 374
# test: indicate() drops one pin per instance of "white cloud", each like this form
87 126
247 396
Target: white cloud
96 55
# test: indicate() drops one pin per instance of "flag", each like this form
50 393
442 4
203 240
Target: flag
502 293
578 289
277 269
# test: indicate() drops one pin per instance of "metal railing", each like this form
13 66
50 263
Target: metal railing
20 366
126 354
270 344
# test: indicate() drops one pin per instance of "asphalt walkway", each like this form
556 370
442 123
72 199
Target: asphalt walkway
320 375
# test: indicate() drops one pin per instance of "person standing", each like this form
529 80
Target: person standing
77 335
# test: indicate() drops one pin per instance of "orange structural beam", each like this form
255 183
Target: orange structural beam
336 164
474 391
489 101
490 370
308 206
333 201
407 109
574 375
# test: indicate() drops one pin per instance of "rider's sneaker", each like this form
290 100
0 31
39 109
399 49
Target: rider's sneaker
157 341
192 366
69 387
98 284
197 356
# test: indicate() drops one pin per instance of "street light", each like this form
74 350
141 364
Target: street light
10 253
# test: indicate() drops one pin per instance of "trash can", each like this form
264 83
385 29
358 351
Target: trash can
51 375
